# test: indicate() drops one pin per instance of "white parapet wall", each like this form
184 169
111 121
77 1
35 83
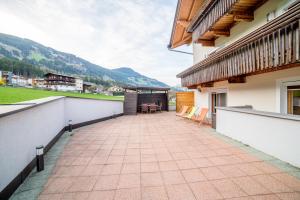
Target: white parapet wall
29 124
275 134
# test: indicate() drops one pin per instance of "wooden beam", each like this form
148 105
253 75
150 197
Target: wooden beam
221 32
237 79
183 23
243 17
209 84
192 87
206 43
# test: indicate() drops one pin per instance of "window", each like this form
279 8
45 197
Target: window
217 100
293 100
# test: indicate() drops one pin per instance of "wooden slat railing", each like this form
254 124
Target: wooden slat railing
272 46
209 15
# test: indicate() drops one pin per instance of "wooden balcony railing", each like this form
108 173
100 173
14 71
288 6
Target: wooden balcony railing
274 46
217 17
210 13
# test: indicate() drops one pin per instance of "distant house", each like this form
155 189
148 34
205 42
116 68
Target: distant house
62 82
18 81
38 82
6 76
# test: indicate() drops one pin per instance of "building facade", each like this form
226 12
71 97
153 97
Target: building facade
245 53
60 82
246 69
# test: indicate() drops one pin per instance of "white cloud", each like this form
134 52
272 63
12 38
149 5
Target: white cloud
110 33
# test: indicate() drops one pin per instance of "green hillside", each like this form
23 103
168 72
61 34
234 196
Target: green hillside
10 95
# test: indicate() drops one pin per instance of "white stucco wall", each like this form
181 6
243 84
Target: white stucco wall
80 110
260 91
274 136
22 131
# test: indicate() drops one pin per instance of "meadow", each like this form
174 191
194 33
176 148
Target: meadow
9 95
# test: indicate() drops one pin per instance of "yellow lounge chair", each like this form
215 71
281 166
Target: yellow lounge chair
191 113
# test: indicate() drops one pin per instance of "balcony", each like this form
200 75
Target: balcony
216 18
274 46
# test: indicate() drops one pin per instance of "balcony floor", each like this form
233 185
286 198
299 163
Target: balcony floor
160 156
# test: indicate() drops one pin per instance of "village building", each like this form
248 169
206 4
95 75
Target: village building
60 82
245 53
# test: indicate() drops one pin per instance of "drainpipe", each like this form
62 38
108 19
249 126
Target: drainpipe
184 52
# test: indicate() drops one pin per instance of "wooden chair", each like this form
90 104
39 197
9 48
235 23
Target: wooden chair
201 116
144 108
152 108
159 107
183 111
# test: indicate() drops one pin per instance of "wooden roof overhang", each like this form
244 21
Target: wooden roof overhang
185 11
146 88
274 46
217 17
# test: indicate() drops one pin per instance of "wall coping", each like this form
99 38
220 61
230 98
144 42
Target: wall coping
9 109
261 113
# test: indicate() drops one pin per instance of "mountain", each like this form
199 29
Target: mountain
48 59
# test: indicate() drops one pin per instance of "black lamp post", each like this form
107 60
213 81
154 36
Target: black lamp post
70 127
40 158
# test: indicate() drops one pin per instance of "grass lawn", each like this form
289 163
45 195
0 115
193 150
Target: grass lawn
14 95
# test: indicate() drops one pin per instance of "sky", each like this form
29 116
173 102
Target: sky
109 33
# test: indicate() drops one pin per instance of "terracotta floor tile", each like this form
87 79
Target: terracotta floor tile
202 162
265 197
129 181
102 195
81 161
149 167
205 190
50 197
151 179
228 189
75 196
92 170
193 175
111 169
108 182
164 157
180 156
148 158
288 180
58 185
168 165
68 171
212 173
289 196
231 171
115 159
250 186
128 194
185 164
172 177
132 159
81 184
129 168
266 168
180 192
154 193
271 183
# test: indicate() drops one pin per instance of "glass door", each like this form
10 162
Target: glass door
293 100
217 100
